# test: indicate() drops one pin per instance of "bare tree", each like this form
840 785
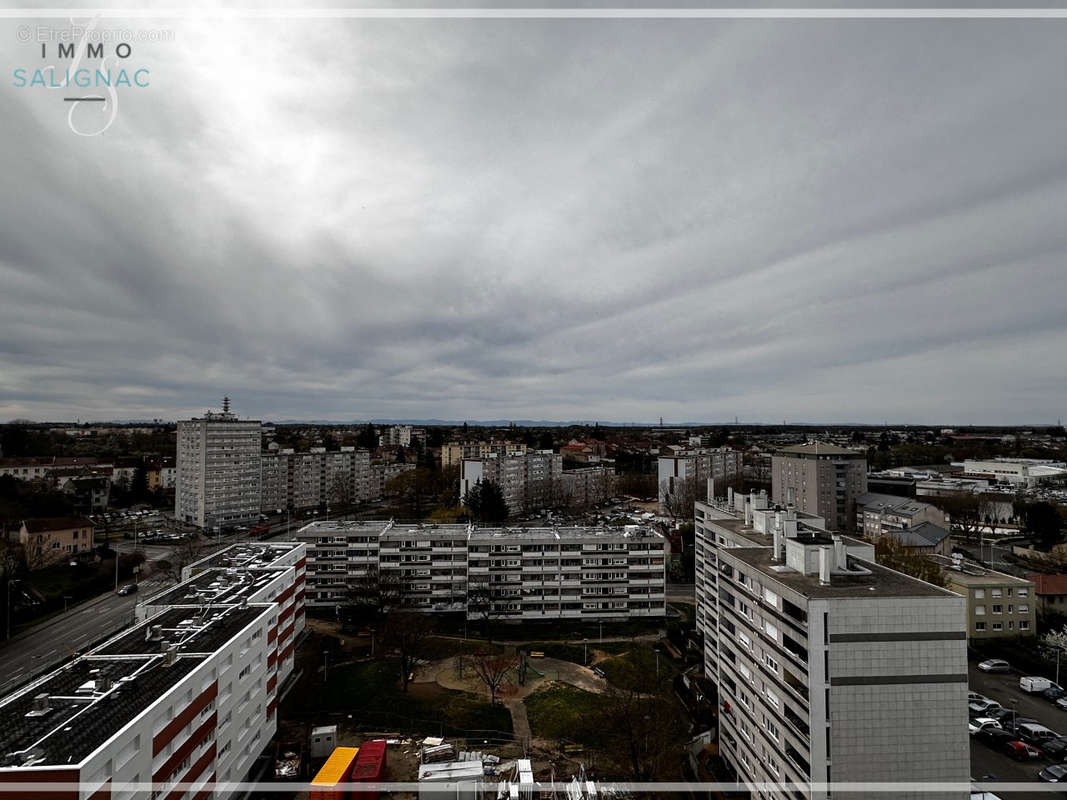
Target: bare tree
492 669
342 492
375 593
407 634
641 719
186 552
481 602
678 500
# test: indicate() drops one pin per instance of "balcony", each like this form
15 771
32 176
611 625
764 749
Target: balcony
796 723
797 760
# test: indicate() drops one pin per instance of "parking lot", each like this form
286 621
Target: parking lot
991 765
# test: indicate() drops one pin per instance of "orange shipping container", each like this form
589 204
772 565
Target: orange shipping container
324 786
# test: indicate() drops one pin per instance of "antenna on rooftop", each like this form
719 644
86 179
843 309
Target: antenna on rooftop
225 405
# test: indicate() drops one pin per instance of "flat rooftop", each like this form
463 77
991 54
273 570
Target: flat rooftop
969 574
881 582
553 534
193 629
216 586
736 526
247 555
79 717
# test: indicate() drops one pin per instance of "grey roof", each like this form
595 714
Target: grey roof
925 534
889 502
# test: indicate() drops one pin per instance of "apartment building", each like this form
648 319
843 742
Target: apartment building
830 668
998 605
53 539
918 526
1019 472
567 573
518 573
218 470
688 472
186 696
455 452
315 479
529 482
585 487
402 435
36 468
381 474
822 479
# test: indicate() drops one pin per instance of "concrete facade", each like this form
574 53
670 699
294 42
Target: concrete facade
518 573
998 605
695 468
821 479
315 479
218 471
528 482
829 667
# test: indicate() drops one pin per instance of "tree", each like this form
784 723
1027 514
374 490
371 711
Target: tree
186 552
139 484
964 511
643 726
891 553
485 502
1044 522
492 669
406 633
341 492
678 504
367 438
481 602
375 593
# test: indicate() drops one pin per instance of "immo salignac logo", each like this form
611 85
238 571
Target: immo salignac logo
87 67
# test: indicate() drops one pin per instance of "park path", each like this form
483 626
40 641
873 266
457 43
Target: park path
520 723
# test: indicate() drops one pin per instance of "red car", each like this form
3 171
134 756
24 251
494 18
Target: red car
1021 751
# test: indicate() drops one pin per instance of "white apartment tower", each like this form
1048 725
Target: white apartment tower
218 470
829 667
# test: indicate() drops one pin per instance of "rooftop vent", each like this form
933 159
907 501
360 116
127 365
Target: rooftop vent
40 705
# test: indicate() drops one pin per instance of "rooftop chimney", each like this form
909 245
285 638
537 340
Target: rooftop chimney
748 513
824 566
779 544
730 496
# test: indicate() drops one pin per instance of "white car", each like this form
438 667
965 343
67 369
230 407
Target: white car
974 697
980 707
981 724
994 665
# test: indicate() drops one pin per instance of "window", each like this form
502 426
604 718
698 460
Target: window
979 626
1024 624
770 597
770 662
1024 608
998 626
979 594
770 630
997 592
1024 593
979 611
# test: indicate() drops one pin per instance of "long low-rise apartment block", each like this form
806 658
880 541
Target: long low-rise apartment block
830 668
184 698
520 573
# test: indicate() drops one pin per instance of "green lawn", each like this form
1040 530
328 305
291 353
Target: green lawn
370 692
564 712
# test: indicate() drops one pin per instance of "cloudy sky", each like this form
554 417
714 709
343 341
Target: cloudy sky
554 219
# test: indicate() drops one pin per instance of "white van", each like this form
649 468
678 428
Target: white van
1034 685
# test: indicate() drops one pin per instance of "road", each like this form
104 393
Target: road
994 766
46 645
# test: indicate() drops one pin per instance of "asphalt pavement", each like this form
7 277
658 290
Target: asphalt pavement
991 765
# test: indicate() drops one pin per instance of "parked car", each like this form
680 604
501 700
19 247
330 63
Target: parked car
1061 703
981 707
995 737
1032 684
1056 773
981 723
995 665
1052 693
1035 734
975 696
1021 751
1056 749
129 588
